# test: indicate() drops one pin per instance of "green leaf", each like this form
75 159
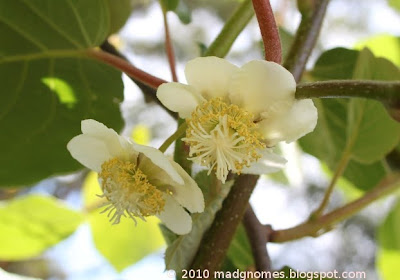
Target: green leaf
169 5
335 64
388 258
239 252
181 252
50 85
32 224
183 12
123 244
389 231
383 45
388 264
395 4
359 129
120 10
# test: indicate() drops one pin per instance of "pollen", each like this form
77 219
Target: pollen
223 137
128 191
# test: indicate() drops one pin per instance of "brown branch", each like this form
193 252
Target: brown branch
306 37
258 235
269 30
169 48
217 240
148 91
315 227
126 67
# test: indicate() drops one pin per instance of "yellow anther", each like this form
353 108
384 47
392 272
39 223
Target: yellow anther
223 137
128 191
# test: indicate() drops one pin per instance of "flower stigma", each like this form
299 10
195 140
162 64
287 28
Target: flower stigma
128 190
223 137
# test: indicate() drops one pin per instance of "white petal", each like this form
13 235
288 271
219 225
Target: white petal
263 86
179 98
189 194
269 163
210 75
89 151
115 143
300 120
175 217
158 158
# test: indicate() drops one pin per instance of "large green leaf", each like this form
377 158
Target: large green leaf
49 85
123 244
181 252
32 224
359 129
388 258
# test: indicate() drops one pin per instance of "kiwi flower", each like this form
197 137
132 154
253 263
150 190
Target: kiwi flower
137 181
235 115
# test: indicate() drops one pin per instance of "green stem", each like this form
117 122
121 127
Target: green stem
177 134
231 30
313 13
380 90
315 227
339 171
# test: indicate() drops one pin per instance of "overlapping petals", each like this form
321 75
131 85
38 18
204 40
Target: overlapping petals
148 180
265 90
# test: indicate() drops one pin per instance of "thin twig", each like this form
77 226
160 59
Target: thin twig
325 222
169 47
344 160
258 236
126 67
148 91
269 30
305 39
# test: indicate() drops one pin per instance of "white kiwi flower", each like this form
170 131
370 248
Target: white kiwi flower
235 115
137 181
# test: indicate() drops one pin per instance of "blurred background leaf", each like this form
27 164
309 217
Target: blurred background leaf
388 258
395 4
31 224
123 244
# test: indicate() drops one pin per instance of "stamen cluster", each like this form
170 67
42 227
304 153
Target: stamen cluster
223 137
128 191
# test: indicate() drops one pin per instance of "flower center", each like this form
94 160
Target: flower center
223 137
128 191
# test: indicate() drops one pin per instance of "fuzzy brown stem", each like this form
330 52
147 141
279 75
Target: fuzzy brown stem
269 30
